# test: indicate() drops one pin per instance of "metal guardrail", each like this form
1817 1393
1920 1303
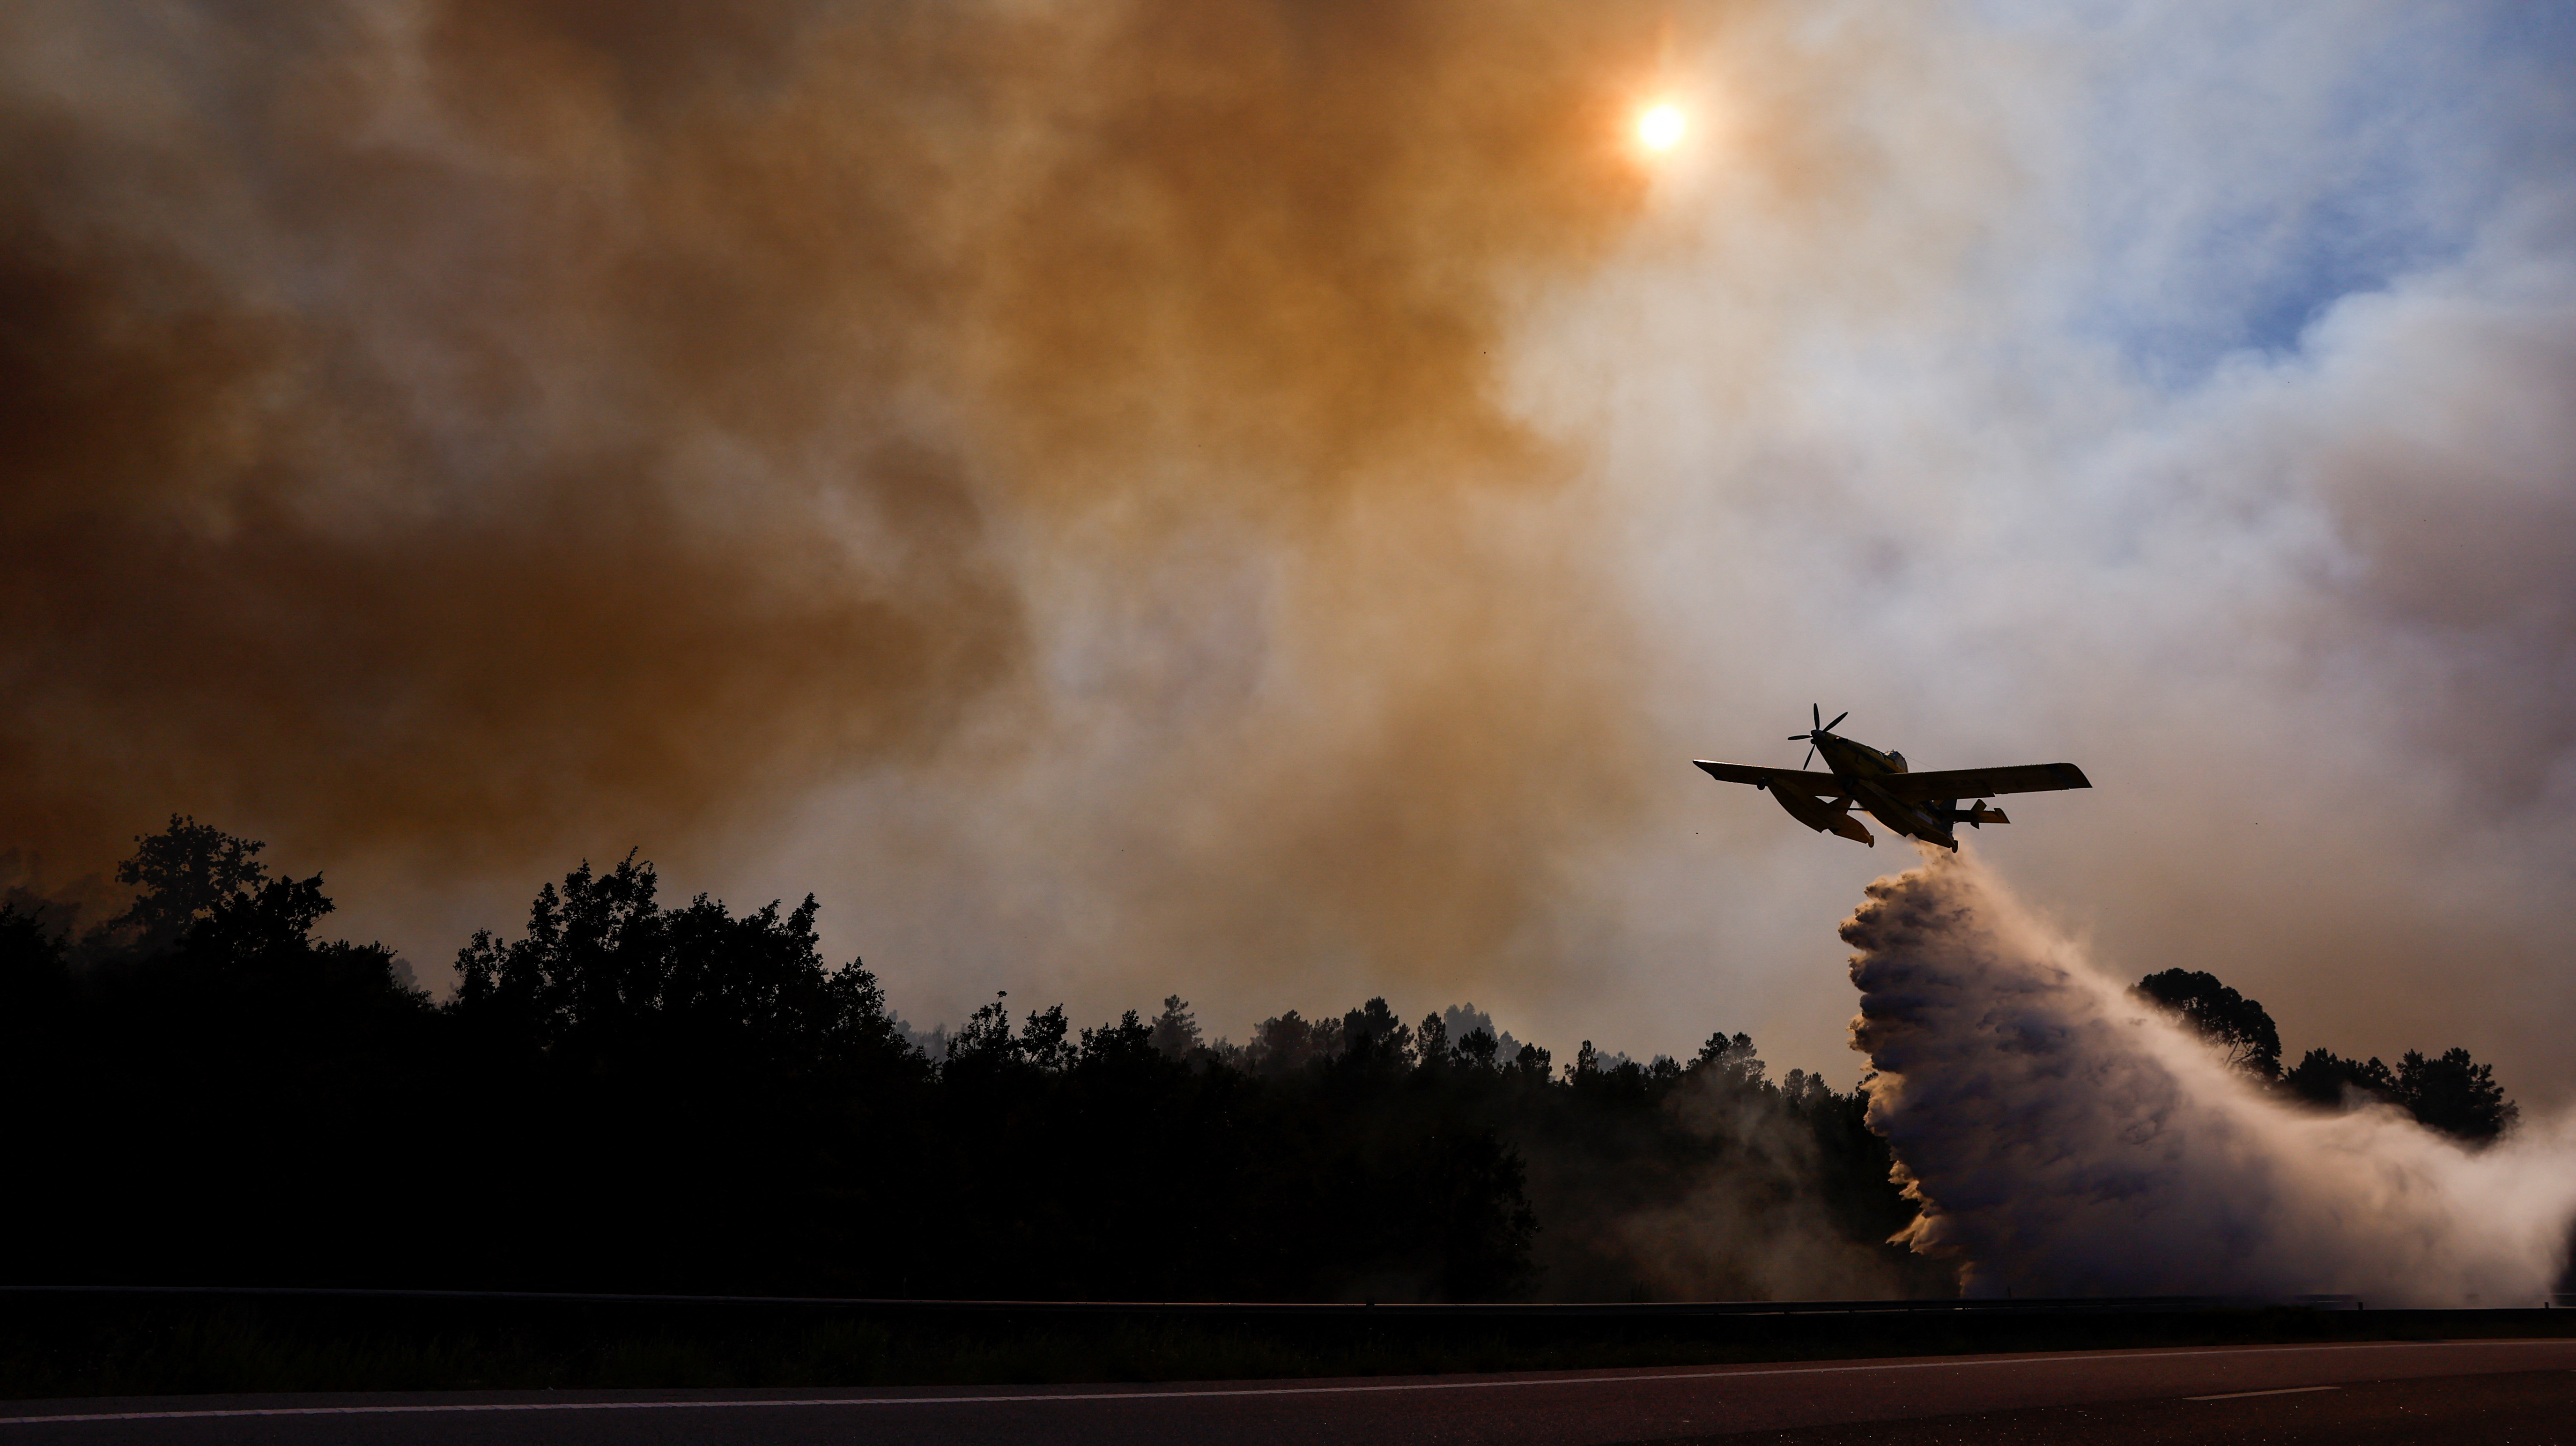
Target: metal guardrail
1643 1310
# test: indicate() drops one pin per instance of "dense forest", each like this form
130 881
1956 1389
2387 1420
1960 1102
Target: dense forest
2450 1092
634 1096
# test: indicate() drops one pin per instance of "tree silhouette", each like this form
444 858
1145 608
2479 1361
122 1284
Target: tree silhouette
1733 1058
34 975
2452 1092
1283 1043
206 1037
1477 1048
1431 1040
629 1095
1176 1030
1042 1039
2236 1024
181 874
2456 1095
2322 1077
1373 1033
985 1038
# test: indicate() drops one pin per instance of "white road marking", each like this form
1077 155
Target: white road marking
429 1408
2284 1391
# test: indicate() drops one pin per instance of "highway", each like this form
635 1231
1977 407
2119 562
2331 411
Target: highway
2498 1393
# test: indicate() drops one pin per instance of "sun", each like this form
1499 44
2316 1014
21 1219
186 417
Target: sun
1660 127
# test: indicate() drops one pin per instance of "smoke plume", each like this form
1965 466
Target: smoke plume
1261 499
471 433
2064 1139
1757 1218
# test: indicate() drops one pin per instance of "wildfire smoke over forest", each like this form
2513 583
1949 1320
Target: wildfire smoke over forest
472 432
1144 496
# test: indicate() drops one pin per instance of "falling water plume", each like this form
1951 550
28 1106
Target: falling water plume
2064 1138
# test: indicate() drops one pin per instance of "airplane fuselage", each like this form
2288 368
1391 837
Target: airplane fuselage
1858 766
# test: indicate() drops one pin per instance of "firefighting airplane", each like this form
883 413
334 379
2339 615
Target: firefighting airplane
1919 805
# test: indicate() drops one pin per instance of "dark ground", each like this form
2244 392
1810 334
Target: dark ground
62 1344
2523 1408
2475 1391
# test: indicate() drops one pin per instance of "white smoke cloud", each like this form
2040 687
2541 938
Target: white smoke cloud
2066 1140
2189 401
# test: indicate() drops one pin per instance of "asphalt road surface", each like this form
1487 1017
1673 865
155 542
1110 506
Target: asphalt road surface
2495 1393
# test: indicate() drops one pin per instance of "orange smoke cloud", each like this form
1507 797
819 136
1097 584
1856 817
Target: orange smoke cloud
463 428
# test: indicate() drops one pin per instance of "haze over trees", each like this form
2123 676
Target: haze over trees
2449 1092
635 1094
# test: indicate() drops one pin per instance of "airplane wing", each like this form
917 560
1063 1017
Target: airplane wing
1983 782
1822 785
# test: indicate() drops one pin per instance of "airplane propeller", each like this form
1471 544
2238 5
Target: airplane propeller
1816 715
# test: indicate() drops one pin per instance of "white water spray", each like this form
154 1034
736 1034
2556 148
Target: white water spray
2065 1139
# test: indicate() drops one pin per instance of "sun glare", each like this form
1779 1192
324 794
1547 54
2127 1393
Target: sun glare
1660 127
